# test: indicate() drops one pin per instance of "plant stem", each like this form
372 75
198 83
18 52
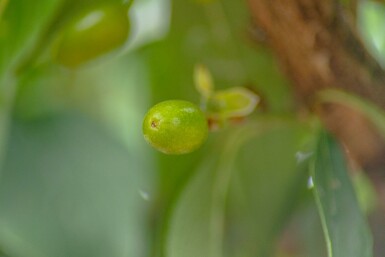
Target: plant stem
375 114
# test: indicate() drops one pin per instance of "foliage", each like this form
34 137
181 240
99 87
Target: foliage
78 179
345 228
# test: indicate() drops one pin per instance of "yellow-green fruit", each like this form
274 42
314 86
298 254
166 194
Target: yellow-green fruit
175 127
92 34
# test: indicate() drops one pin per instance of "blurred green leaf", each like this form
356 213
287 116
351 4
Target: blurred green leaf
345 227
234 102
68 189
199 225
200 210
365 192
203 81
311 238
371 21
20 25
267 185
115 93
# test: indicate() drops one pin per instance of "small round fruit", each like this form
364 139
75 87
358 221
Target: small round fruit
175 127
92 34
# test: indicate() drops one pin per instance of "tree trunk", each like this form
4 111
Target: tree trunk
319 48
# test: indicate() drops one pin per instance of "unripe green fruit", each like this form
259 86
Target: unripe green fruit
92 34
175 127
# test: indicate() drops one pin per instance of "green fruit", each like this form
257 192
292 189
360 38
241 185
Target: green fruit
175 127
92 34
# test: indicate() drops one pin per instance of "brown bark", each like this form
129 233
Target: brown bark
318 48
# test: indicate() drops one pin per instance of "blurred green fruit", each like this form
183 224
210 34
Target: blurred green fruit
92 34
175 127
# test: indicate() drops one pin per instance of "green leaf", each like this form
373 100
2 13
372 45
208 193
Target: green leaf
69 189
20 25
203 80
267 186
243 167
345 227
232 103
200 210
371 18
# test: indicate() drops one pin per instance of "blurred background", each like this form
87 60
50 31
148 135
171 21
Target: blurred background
78 179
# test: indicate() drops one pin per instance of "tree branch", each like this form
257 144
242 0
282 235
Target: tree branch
318 48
